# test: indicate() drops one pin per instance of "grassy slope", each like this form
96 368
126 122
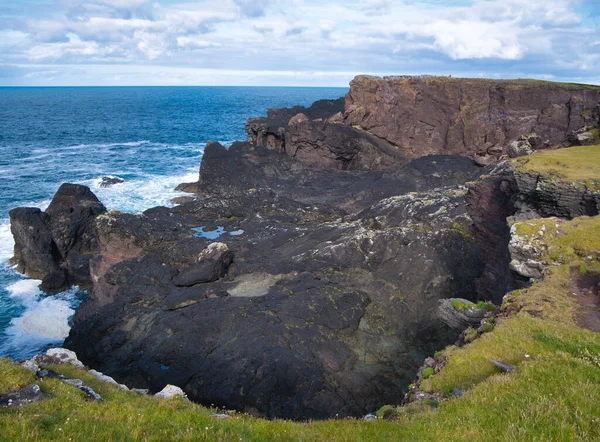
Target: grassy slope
579 165
554 393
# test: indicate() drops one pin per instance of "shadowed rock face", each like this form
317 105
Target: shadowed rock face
471 117
55 245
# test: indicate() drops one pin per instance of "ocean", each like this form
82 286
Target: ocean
152 137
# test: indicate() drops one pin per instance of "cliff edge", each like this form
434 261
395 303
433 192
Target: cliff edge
389 121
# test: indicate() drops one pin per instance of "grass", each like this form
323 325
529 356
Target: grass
580 165
461 306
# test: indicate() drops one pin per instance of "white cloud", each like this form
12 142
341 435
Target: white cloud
472 40
195 42
11 39
536 36
252 8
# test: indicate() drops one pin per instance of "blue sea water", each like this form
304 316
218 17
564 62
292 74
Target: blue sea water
153 138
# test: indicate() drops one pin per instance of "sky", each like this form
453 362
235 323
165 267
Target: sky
293 42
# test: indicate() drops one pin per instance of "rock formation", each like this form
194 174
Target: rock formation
328 305
473 117
55 245
388 121
318 292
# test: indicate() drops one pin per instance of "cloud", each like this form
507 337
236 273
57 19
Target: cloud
252 8
473 39
376 7
195 42
477 37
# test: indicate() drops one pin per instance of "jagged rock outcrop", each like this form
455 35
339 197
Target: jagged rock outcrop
317 137
542 196
388 121
55 245
328 305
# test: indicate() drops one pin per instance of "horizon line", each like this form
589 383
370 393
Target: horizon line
167 85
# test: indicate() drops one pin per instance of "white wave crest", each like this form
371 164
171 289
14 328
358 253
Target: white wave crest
7 242
44 321
105 145
140 194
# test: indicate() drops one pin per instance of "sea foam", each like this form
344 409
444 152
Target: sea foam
44 321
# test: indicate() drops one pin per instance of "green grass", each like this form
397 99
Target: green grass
428 372
580 165
460 305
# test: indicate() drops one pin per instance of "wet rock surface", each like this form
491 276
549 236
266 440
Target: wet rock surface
109 181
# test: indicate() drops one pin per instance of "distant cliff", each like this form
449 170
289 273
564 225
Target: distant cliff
398 119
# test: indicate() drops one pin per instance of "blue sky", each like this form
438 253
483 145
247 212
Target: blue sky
293 42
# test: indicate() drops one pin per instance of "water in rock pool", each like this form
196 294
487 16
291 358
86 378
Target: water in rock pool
152 138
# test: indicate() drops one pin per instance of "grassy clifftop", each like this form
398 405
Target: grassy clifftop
553 393
578 165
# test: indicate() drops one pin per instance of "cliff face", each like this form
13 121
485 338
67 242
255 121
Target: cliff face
485 120
317 136
386 122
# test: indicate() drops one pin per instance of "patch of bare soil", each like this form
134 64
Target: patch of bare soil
586 290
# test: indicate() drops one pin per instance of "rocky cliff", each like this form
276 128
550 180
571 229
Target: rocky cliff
401 118
303 280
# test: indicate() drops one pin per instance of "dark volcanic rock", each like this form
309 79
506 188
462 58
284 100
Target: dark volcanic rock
55 245
315 136
212 264
323 144
109 181
544 197
35 252
328 306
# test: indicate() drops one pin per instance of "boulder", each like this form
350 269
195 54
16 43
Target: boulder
171 391
59 356
212 264
55 245
26 396
104 378
109 181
